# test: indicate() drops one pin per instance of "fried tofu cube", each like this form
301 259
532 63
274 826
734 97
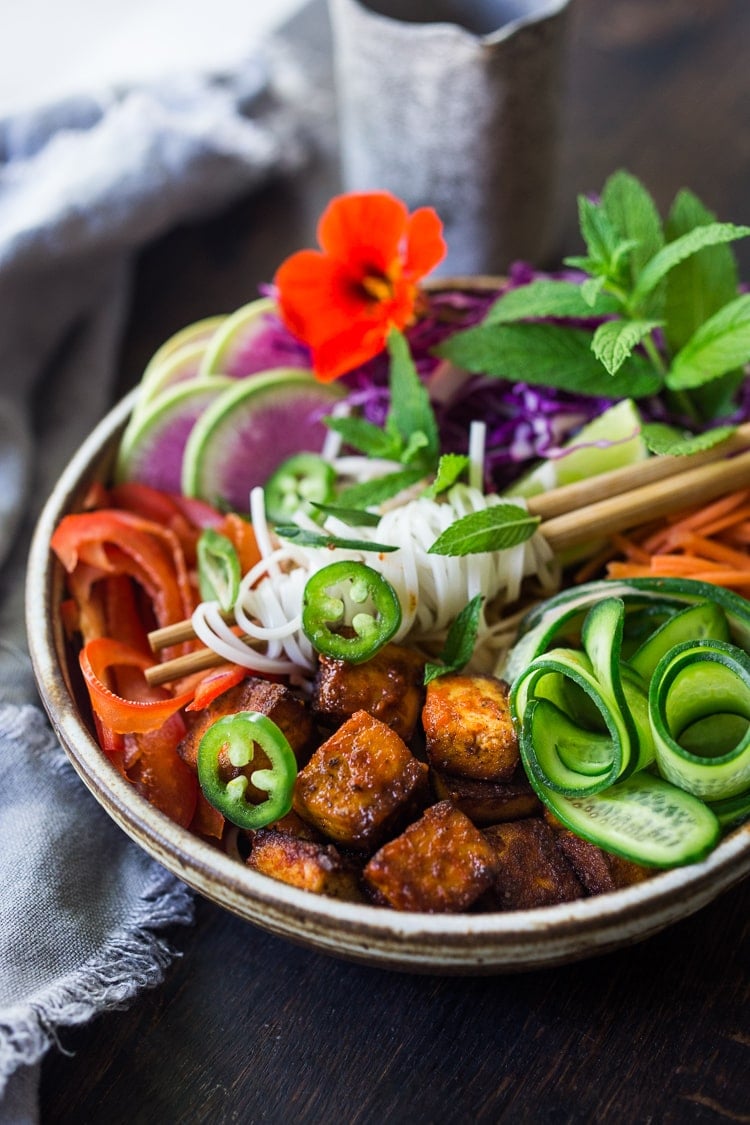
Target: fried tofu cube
468 727
361 784
439 864
276 701
488 802
599 871
532 871
389 687
311 866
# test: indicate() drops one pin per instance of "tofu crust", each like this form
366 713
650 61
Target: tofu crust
439 864
311 866
389 687
531 871
468 727
361 784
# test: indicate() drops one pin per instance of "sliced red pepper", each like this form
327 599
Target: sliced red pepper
215 684
160 775
207 821
124 716
121 542
241 534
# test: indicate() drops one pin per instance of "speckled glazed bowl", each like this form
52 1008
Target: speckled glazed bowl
463 943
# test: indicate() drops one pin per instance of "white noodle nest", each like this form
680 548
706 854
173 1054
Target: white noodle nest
432 589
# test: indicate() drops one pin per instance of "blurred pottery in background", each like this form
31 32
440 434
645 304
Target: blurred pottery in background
457 105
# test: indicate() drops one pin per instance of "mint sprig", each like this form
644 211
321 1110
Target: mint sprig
459 642
674 322
491 529
304 538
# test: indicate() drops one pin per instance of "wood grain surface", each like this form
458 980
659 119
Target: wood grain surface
248 1028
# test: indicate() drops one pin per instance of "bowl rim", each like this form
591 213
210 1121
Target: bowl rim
637 910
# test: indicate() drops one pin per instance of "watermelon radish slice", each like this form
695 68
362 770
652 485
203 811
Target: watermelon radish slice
253 340
250 429
152 447
179 367
200 332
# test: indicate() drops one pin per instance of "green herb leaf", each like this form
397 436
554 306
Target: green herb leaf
492 529
354 517
371 492
720 345
712 234
633 214
663 439
411 411
545 298
219 571
615 339
366 437
459 643
703 283
547 355
304 538
591 290
598 233
450 467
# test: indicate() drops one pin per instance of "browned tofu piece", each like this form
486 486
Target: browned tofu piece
599 871
361 784
468 727
389 686
274 700
441 863
532 871
488 802
311 866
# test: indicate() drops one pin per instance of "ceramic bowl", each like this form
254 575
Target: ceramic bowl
465 943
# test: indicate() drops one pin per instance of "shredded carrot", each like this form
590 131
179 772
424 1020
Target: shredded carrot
708 544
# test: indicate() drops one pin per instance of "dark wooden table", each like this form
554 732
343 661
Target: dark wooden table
249 1028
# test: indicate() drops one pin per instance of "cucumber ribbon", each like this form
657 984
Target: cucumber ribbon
633 713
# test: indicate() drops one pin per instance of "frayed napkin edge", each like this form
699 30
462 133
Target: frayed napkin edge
135 958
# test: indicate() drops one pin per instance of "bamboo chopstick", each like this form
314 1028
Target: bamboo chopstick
571 515
572 497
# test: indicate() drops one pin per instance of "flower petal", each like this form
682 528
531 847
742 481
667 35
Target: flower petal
342 353
316 296
364 231
425 246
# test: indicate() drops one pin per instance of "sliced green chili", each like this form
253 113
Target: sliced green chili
219 571
300 481
349 611
230 742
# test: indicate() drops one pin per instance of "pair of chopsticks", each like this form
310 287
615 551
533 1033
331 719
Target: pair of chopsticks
571 515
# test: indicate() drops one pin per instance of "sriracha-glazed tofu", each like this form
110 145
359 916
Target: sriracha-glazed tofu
468 727
441 863
531 869
597 870
488 802
276 701
361 784
311 866
388 686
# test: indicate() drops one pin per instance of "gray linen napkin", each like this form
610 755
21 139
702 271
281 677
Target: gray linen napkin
82 187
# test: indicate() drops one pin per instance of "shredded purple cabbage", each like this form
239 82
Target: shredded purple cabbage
524 423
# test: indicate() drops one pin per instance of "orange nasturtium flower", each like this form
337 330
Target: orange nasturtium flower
343 299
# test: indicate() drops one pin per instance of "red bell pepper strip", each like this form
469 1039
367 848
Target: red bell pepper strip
215 683
160 775
121 542
124 716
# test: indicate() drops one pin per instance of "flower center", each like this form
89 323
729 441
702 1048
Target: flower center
378 287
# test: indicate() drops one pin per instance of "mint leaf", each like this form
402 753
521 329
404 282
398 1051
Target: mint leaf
375 491
614 341
545 298
712 234
411 411
492 529
633 214
663 439
547 355
413 451
598 233
591 290
703 283
304 538
366 437
720 345
354 517
450 467
459 643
